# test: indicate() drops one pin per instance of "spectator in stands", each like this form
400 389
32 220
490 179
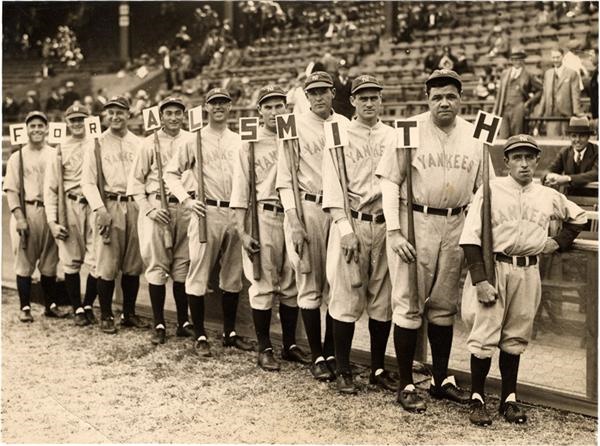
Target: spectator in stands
560 97
70 95
462 64
296 98
518 91
499 41
546 17
342 85
432 60
10 108
572 61
54 106
165 59
577 165
404 32
30 103
592 88
88 103
447 59
481 91
182 38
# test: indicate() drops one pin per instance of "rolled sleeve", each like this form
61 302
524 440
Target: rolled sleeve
183 160
89 178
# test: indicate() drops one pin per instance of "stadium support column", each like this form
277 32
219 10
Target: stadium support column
390 12
124 31
228 13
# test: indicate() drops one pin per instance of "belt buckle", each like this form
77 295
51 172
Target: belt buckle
449 212
359 215
515 261
425 209
526 260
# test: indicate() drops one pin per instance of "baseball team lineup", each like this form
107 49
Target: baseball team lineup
316 211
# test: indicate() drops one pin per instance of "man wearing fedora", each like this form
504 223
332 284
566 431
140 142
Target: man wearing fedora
519 89
577 164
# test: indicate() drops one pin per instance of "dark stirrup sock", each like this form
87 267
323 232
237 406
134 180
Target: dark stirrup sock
24 289
73 288
289 319
197 311
509 370
130 286
479 371
181 302
230 304
440 340
343 332
380 332
49 290
106 289
262 326
91 291
405 343
157 299
312 327
328 347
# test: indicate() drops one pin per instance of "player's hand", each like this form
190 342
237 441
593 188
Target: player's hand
160 216
550 246
103 221
486 293
59 232
562 179
299 235
22 227
251 245
551 179
402 247
196 206
350 247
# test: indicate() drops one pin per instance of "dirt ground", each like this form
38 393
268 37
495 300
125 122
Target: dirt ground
63 384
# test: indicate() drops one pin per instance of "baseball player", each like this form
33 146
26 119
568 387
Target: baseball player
312 287
75 241
30 235
276 273
116 240
363 241
445 172
162 262
219 148
502 315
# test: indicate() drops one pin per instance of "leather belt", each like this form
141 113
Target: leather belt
218 203
117 197
437 211
516 260
271 207
312 197
379 218
36 203
78 198
170 198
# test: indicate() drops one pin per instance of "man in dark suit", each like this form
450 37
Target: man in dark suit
518 90
576 165
342 84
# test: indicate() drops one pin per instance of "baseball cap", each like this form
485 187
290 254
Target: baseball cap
518 53
365 81
36 114
76 111
521 141
117 101
270 91
579 125
318 79
171 100
451 75
70 84
217 93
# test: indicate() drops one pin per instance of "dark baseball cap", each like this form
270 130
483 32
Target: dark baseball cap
270 91
318 79
365 81
520 142
36 114
171 100
216 93
117 101
76 111
450 75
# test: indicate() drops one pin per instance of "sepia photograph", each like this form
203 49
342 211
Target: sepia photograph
299 222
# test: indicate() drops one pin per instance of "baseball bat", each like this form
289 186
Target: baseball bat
101 183
253 211
23 237
413 280
200 197
288 150
486 220
353 267
62 205
167 236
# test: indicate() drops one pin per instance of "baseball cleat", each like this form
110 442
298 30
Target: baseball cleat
384 380
236 341
345 384
479 414
159 337
331 364
267 361
512 412
202 348
90 316
55 313
295 354
108 325
133 321
321 372
411 401
185 331
81 320
450 392
25 316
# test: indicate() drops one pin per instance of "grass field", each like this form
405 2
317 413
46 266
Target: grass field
63 384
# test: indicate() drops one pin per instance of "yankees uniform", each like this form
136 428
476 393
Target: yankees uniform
117 217
276 273
75 241
502 315
219 148
367 137
162 262
312 287
445 172
32 243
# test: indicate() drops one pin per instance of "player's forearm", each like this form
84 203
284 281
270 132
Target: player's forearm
287 199
143 204
567 235
92 195
474 257
239 216
390 199
175 185
12 198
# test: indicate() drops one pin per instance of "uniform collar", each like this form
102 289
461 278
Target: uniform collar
264 131
316 117
513 184
356 123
